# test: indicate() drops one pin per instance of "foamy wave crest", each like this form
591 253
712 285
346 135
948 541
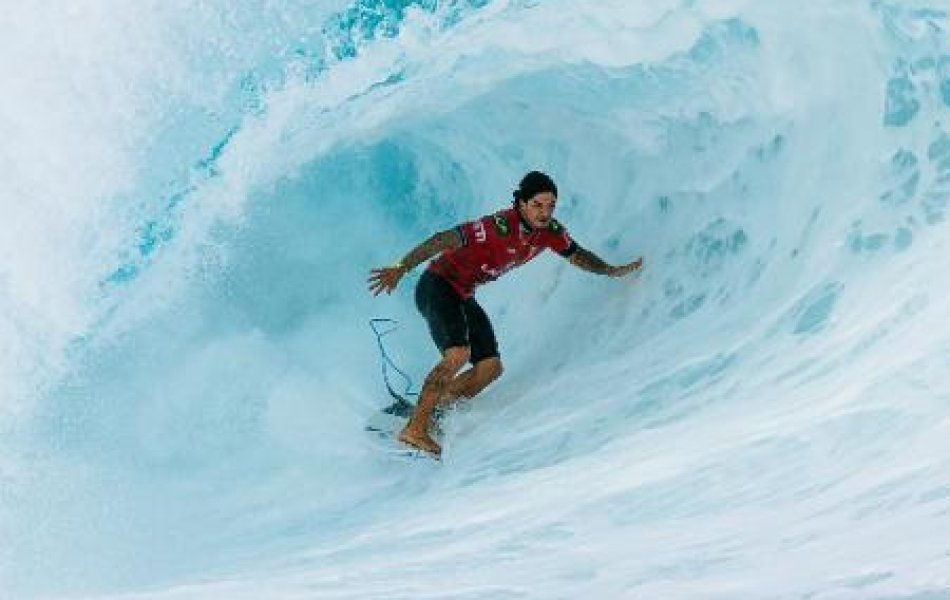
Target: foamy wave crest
195 194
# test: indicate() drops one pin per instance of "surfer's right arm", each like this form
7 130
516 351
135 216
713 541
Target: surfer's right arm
386 279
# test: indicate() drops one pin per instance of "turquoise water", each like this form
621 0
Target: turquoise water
194 194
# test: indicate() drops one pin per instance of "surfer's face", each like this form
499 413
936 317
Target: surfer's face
539 209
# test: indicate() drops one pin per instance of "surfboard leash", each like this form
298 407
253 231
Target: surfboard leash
382 327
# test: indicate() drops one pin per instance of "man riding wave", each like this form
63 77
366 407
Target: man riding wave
467 256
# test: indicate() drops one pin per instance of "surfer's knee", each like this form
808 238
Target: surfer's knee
456 357
491 368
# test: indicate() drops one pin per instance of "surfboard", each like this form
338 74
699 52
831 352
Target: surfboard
386 424
391 419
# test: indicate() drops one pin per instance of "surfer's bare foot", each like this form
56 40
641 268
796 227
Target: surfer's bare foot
419 439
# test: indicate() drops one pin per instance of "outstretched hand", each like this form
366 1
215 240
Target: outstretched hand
626 269
385 279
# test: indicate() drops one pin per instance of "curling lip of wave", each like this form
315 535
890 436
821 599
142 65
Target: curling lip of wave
746 385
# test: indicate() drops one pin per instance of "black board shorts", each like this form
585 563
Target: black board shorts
454 321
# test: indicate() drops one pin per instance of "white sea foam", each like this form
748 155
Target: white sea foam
187 367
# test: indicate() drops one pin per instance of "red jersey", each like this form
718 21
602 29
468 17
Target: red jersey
494 245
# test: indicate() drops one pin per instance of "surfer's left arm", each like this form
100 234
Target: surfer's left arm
590 262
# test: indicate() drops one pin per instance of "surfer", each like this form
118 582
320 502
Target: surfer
468 256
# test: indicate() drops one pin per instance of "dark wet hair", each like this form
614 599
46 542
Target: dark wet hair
532 184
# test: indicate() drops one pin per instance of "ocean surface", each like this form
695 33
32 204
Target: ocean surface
193 194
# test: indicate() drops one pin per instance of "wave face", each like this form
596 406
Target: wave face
194 194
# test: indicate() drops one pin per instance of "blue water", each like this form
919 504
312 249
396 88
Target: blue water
193 196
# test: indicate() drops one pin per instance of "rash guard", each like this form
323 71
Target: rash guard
494 245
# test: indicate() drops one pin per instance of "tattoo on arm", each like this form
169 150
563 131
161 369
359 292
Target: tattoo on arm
440 242
587 260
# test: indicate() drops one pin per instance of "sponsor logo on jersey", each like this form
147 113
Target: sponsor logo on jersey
494 274
479 230
501 225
